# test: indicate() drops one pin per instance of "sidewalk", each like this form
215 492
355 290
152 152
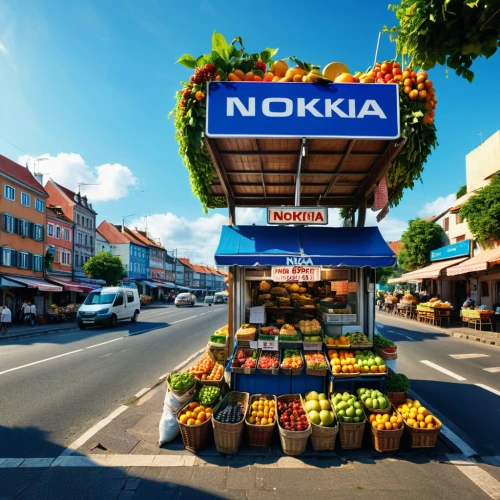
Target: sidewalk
455 329
18 331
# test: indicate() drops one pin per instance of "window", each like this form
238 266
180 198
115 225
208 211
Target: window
66 235
23 260
79 238
458 219
485 289
91 241
446 224
25 200
50 229
78 218
91 223
8 257
24 227
39 205
9 193
9 223
99 298
130 297
77 260
86 240
38 232
119 299
37 263
66 258
58 232
460 238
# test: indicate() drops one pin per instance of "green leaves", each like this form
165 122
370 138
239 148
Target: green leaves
267 54
220 46
187 60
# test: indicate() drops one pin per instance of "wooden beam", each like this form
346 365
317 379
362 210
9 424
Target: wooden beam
362 213
379 169
256 148
294 153
303 184
339 168
294 172
219 168
306 201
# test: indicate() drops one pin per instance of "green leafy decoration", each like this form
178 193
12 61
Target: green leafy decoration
187 60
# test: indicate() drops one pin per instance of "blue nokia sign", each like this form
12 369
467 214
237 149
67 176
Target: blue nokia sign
346 110
459 249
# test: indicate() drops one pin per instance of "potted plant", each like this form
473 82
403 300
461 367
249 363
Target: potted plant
384 344
397 386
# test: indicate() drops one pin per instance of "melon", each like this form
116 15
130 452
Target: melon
333 69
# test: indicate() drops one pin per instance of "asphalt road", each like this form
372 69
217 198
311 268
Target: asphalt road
55 387
464 394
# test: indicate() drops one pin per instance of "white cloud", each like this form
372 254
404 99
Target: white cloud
438 206
113 180
3 48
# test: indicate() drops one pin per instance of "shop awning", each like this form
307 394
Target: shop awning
70 286
433 271
397 281
165 284
42 285
478 263
148 283
6 283
183 288
303 245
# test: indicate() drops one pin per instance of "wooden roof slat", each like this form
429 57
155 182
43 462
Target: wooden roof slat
334 179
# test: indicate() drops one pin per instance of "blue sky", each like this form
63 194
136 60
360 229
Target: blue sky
95 80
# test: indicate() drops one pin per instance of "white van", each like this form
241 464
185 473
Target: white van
107 306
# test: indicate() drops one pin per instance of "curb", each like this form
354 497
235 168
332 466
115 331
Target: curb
37 334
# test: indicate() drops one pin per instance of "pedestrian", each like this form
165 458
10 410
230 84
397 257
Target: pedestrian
6 319
33 314
27 313
21 315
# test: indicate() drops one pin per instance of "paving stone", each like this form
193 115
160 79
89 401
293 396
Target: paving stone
147 428
132 483
210 477
126 495
14 481
178 476
105 488
119 442
241 479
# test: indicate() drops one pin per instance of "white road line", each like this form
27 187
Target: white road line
93 430
442 370
106 355
488 388
142 391
458 442
102 343
468 356
405 336
492 370
483 480
41 361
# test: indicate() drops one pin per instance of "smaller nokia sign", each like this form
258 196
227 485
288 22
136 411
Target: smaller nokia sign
297 215
459 249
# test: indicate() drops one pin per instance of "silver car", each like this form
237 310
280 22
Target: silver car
185 299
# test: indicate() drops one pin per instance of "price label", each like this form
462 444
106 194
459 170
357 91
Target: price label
312 346
295 273
258 315
254 344
268 345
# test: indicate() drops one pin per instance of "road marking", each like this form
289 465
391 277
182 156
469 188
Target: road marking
142 391
469 356
488 388
492 370
106 355
102 343
93 430
483 480
458 442
405 336
442 370
41 361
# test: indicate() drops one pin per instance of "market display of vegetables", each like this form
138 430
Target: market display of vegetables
288 332
208 395
383 343
315 360
357 338
319 409
292 359
218 339
386 422
262 412
397 382
181 381
202 367
373 400
415 415
195 414
269 360
226 62
222 331
348 408
245 358
292 415
231 414
434 303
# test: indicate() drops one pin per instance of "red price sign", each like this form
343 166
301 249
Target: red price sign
268 345
296 273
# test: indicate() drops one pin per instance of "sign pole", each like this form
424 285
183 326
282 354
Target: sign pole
297 182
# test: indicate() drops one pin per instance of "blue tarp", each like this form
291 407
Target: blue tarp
303 245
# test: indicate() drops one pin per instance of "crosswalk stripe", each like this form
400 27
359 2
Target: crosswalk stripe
468 356
492 370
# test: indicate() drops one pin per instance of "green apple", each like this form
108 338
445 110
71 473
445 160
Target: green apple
362 391
311 396
369 402
379 361
359 412
357 419
325 405
357 405
382 403
313 405
314 417
322 397
350 412
375 404
326 417
341 413
348 420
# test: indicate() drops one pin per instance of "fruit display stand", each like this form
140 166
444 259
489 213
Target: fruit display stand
293 442
260 435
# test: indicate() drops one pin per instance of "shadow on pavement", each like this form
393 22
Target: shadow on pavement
388 331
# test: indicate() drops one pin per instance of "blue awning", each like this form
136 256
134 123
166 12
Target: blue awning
303 245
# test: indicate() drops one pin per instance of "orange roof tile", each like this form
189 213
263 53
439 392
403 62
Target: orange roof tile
111 234
396 246
20 174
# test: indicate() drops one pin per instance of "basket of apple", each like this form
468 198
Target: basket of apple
324 423
352 419
294 426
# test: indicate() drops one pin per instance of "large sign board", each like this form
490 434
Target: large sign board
297 215
295 273
345 110
460 249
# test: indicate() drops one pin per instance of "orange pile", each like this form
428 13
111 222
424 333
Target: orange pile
215 374
203 367
262 412
386 422
343 362
194 414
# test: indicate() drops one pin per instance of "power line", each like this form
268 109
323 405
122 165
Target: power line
19 149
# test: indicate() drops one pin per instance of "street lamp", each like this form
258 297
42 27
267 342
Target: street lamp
132 215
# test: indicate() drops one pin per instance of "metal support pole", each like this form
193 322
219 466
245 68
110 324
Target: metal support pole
297 183
376 51
362 213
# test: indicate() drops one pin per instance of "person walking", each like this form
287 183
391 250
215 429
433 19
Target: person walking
21 314
6 319
33 314
27 313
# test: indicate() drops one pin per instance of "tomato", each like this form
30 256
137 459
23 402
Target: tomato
388 77
386 67
380 75
396 71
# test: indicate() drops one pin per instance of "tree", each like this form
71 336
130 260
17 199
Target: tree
461 192
386 273
482 212
105 266
419 239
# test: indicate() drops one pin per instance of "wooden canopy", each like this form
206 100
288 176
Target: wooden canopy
253 172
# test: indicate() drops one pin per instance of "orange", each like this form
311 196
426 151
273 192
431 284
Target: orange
388 426
374 424
423 425
374 369
379 417
337 369
406 74
357 368
430 426
239 73
208 410
269 77
279 68
429 419
394 420
286 79
297 78
420 417
263 421
365 369
395 426
249 77
197 410
413 95
345 369
372 417
198 422
421 95
183 419
350 368
189 414
422 410
385 418
381 427
194 405
343 362
233 78
260 414
276 79
344 78
382 369
191 421
202 416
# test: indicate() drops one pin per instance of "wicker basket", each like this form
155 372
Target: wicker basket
292 371
387 356
260 435
294 442
181 393
351 435
228 436
197 437
323 438
373 410
386 441
424 438
245 371
396 398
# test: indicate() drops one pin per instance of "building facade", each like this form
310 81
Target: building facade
59 244
79 211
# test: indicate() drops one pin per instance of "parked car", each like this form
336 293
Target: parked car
185 299
109 305
220 298
209 299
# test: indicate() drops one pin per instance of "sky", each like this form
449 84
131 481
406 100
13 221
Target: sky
86 86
